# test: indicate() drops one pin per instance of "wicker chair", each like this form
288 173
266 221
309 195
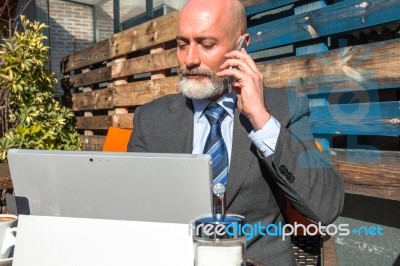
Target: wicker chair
310 250
307 250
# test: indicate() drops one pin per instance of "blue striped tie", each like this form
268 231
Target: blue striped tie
215 145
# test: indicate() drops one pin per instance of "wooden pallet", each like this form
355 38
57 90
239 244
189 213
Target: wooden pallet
343 56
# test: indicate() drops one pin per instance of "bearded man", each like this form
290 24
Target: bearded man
267 151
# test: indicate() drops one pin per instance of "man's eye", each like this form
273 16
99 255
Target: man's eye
181 46
208 46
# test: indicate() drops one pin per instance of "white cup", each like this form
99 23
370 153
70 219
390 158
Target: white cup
7 234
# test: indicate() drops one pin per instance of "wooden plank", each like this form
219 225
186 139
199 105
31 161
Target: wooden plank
341 17
92 77
358 80
141 92
371 118
157 31
105 121
92 143
98 52
87 113
93 100
123 121
94 122
369 172
353 68
161 73
146 63
258 6
273 52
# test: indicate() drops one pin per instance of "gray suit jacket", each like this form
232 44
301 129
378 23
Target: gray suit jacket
257 187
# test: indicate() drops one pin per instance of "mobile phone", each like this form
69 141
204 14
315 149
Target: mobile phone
242 44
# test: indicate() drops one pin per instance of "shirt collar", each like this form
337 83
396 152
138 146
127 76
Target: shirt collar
227 101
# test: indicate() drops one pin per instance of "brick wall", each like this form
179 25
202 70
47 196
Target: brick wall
71 29
42 15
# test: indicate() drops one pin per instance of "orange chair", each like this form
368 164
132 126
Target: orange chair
117 139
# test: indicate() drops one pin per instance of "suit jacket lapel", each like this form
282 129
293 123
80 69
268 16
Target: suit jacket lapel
242 155
178 130
178 137
243 152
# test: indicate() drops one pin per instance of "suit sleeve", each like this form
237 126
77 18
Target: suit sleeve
305 174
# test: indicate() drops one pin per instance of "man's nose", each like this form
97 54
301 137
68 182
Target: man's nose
192 57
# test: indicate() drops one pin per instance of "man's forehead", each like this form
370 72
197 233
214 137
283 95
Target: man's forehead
203 23
197 6
202 18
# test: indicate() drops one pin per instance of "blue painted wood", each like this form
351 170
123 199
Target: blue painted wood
375 118
340 17
324 140
303 8
267 5
313 48
322 100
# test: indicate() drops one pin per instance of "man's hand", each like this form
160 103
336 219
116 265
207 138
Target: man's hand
248 86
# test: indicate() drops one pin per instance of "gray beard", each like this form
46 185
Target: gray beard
208 88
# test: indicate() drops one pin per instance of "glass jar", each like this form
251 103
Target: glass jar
217 240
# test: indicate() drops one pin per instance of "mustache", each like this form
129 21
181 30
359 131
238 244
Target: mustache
196 71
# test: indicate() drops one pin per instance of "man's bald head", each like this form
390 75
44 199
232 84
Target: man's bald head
229 14
207 31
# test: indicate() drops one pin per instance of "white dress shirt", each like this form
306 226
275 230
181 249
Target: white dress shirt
264 139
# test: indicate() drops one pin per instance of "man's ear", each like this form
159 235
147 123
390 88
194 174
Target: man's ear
246 36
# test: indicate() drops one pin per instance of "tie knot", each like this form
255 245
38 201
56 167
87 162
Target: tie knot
215 113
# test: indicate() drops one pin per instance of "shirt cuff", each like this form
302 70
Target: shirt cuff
265 139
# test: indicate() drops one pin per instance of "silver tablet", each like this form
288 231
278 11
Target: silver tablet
154 187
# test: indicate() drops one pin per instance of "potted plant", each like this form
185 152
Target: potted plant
31 117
